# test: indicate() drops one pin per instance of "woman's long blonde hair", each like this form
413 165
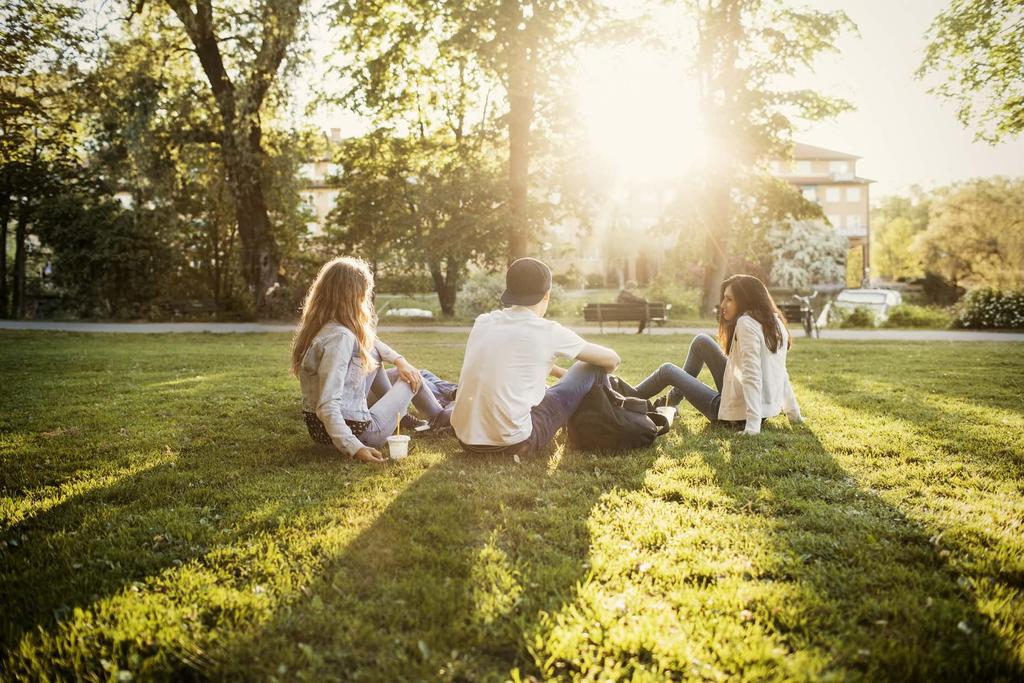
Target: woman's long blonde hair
342 293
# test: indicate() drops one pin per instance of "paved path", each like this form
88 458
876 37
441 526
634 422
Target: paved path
228 328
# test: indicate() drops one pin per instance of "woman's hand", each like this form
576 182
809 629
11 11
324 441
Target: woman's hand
408 374
367 454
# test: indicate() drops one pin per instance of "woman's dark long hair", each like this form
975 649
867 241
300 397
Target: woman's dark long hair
752 298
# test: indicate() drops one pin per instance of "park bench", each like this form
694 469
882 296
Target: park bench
793 313
652 312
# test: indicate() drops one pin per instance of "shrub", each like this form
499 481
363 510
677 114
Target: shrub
991 308
481 293
908 315
595 280
861 316
665 289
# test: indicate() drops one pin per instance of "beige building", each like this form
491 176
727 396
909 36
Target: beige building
830 179
320 180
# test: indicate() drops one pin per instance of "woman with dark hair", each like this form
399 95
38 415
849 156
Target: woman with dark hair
751 381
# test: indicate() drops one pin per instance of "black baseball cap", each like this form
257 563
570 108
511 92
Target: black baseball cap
526 282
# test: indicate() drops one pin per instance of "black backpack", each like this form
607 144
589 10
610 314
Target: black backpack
613 418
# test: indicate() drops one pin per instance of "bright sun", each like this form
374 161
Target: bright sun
640 113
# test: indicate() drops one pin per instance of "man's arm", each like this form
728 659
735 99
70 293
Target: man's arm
601 356
557 371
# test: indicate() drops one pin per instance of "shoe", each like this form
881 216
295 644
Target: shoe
661 402
411 423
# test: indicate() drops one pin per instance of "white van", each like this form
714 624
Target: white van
878 301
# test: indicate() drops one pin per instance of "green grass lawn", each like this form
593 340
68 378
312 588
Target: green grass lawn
164 514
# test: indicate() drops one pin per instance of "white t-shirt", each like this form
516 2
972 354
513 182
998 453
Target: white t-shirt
508 357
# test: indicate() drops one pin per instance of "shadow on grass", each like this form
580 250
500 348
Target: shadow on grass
448 581
959 430
871 590
94 544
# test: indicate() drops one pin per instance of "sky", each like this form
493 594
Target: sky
905 135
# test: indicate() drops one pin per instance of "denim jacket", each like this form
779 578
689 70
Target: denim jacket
333 382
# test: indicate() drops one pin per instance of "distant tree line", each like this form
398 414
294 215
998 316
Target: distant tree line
969 234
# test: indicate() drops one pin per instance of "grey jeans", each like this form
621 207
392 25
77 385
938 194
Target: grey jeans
703 351
393 402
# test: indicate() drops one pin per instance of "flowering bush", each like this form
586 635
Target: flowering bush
807 253
908 315
991 308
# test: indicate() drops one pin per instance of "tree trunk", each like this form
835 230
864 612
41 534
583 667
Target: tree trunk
717 243
260 260
5 217
520 117
20 259
445 284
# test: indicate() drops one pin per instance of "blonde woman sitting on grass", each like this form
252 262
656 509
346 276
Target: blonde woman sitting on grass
339 362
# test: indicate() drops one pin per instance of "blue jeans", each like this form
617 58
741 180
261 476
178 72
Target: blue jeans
561 401
703 351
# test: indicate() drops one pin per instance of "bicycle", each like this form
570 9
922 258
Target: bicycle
810 323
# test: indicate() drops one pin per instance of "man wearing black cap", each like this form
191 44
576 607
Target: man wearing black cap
503 404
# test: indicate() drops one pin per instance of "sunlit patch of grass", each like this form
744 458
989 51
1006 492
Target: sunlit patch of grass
164 514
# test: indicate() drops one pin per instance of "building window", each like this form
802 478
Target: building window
853 194
810 194
836 220
832 194
839 166
855 221
803 167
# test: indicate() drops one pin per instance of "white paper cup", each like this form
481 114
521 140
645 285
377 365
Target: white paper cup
398 446
668 411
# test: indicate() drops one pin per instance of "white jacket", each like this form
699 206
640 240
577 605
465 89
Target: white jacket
756 383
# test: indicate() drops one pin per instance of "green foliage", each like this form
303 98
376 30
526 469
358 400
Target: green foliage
157 521
433 204
107 262
892 256
908 315
975 233
976 48
665 288
859 317
991 308
419 65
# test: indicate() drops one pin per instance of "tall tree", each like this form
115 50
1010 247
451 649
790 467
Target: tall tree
519 44
744 50
423 203
252 41
976 48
